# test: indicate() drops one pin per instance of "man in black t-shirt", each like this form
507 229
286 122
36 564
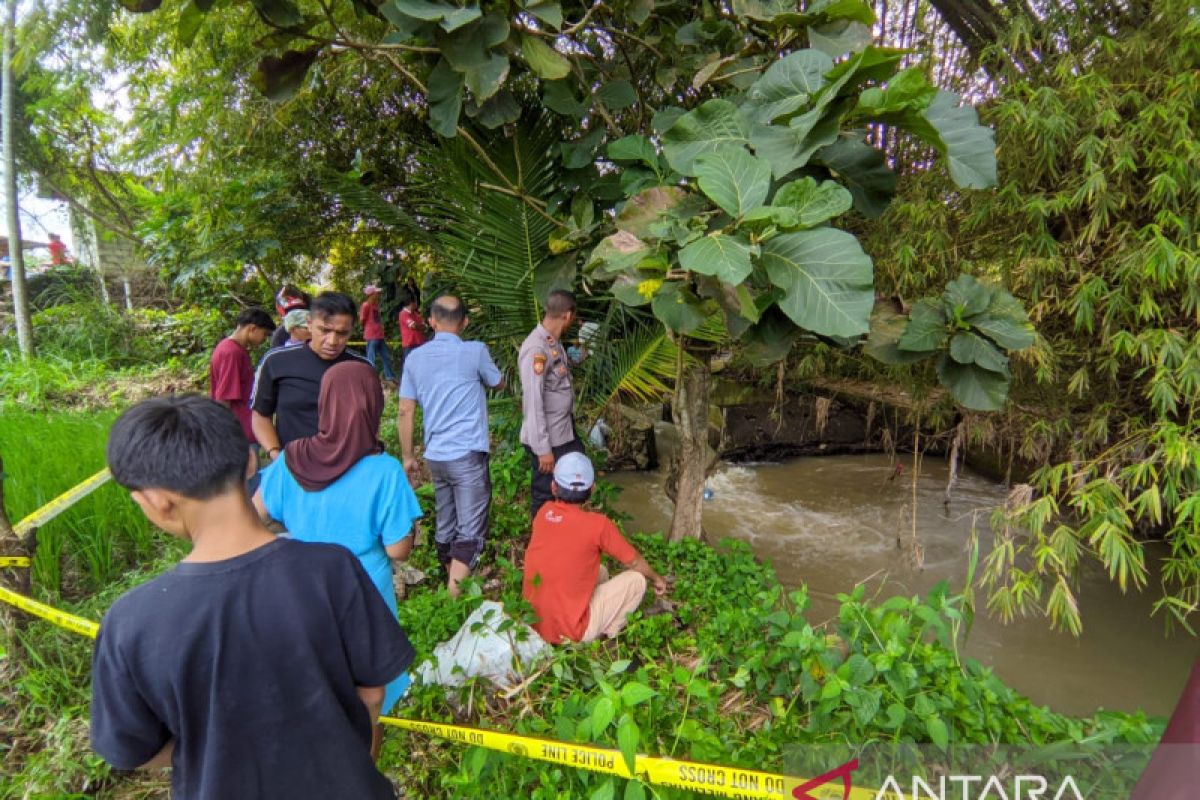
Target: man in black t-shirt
255 668
289 381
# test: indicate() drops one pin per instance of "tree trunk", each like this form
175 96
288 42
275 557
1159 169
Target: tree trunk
15 253
689 410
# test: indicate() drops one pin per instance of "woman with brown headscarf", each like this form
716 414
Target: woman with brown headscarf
340 487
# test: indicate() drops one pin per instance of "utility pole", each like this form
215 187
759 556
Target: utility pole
15 252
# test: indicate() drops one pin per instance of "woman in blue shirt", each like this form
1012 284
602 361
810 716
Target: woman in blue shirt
339 486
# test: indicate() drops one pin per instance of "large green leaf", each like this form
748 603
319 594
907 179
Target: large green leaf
740 307
617 253
761 10
190 20
437 12
469 51
617 95
864 170
840 37
973 387
733 179
445 98
543 59
678 308
714 125
787 85
927 328
770 339
647 207
499 109
548 11
965 297
789 147
1005 322
283 13
909 91
887 326
813 203
967 348
968 146
826 278
582 152
559 98
726 257
634 148
628 288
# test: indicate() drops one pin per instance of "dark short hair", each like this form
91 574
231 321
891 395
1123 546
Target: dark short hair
256 317
448 309
184 443
573 496
332 304
560 302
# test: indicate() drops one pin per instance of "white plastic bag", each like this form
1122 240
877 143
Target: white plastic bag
484 646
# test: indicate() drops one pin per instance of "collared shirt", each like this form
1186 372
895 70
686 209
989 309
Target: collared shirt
447 377
548 399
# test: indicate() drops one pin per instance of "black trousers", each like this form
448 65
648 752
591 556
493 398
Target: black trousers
539 483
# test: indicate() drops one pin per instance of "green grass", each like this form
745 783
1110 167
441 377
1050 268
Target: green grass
98 538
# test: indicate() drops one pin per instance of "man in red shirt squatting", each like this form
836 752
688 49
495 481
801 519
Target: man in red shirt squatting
231 376
564 581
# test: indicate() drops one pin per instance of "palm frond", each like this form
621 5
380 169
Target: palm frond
490 241
367 201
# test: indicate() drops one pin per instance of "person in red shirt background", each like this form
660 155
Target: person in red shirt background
368 315
58 250
412 327
231 376
566 584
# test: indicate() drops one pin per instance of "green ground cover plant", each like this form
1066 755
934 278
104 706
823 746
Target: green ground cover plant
733 672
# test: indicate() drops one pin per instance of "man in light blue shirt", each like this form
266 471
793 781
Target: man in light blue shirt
447 376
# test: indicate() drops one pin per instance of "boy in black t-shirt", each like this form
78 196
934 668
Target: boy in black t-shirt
256 667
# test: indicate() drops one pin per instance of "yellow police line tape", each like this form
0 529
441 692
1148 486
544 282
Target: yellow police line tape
84 627
15 561
62 502
710 779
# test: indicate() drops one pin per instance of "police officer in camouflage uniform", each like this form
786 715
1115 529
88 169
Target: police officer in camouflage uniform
548 427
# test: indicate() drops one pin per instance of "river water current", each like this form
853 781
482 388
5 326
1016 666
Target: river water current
834 521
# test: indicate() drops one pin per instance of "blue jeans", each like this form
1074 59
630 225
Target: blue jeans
463 491
380 346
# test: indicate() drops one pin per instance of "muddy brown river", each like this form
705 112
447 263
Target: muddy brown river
832 522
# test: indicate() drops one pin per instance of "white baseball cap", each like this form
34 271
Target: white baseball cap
574 472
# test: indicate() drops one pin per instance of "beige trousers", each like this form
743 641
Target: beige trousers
612 602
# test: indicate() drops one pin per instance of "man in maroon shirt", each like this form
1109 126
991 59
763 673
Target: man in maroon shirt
368 315
231 376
